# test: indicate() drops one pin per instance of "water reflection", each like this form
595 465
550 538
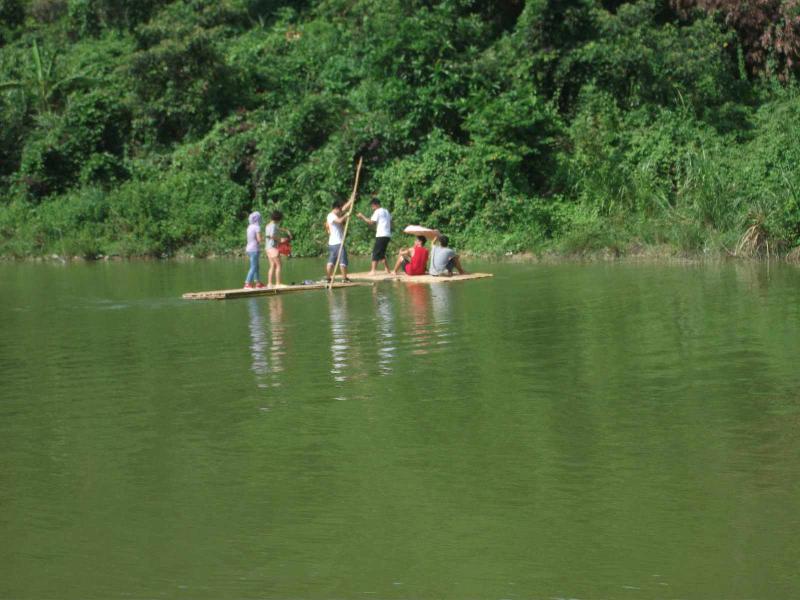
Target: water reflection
441 308
428 309
386 336
440 301
754 276
267 345
419 295
340 341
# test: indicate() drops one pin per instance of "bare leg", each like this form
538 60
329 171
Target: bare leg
404 253
277 265
343 269
457 263
329 270
386 265
374 266
271 271
397 264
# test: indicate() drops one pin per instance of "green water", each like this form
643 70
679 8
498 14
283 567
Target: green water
560 431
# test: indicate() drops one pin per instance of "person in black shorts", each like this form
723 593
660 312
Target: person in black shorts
382 221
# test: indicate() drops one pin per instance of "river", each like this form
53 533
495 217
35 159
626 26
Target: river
587 431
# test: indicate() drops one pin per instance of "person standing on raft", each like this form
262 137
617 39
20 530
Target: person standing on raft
272 234
381 219
333 225
252 249
414 259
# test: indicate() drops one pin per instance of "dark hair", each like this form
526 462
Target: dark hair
337 204
374 201
443 241
276 215
421 239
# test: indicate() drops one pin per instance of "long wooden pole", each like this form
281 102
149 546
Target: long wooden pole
346 222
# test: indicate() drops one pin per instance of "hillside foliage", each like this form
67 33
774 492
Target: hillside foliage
153 127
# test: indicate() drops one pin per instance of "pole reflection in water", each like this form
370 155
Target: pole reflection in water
267 347
386 338
340 343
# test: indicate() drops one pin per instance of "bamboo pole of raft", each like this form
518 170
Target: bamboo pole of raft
346 223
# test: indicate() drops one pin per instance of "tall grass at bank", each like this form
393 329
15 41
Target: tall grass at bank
669 180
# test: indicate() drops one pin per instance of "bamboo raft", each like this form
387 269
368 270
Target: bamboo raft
383 276
250 292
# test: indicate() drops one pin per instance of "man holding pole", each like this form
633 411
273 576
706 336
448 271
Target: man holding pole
334 226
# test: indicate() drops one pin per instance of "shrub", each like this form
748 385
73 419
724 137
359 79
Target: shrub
92 124
47 11
769 30
90 17
12 13
163 215
181 87
517 130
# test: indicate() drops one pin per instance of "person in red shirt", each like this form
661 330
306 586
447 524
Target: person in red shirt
414 260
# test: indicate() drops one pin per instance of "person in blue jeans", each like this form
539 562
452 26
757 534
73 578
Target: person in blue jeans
252 249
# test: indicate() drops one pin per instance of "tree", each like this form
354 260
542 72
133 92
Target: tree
769 30
42 81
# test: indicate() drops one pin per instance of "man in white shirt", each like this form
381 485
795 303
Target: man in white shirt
334 227
382 221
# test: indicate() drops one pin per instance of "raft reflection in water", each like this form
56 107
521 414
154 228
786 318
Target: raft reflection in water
267 346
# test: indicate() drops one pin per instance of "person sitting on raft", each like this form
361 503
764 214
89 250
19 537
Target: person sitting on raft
252 250
272 233
414 259
333 225
444 259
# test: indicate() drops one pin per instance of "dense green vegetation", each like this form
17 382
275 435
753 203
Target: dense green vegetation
152 127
